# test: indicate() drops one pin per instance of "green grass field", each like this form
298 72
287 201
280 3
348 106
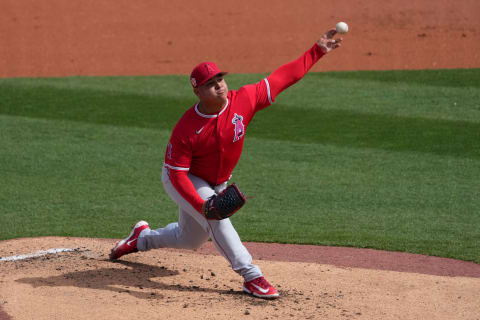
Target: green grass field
387 160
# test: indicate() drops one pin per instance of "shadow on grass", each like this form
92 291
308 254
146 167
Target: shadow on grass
361 130
93 106
459 78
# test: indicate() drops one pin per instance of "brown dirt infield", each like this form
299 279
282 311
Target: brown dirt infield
314 283
66 38
116 37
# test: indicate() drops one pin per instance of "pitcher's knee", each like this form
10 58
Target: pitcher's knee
193 245
192 241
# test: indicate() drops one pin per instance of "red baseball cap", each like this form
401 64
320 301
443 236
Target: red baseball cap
204 72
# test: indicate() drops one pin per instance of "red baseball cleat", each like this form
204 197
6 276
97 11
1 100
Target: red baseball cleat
260 288
128 245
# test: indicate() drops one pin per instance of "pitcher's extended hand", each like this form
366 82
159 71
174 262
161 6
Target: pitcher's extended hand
327 43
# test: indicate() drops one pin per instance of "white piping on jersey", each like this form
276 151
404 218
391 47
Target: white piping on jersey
211 115
268 91
176 168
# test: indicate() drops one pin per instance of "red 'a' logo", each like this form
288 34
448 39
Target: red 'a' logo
239 127
209 69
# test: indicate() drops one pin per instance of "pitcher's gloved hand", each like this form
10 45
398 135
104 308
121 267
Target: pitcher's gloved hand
225 204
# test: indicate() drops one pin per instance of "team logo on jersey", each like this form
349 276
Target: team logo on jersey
239 127
169 150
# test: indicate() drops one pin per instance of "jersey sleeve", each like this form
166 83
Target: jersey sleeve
178 158
263 93
185 188
290 73
258 94
178 155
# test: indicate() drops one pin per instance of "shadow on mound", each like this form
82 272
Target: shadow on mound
135 279
4 315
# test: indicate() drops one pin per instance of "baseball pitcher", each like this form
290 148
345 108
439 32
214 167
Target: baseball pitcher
201 154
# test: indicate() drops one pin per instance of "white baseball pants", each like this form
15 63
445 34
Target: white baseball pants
192 230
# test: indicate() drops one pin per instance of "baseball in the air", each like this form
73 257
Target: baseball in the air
341 27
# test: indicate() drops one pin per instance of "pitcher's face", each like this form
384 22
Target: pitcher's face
213 91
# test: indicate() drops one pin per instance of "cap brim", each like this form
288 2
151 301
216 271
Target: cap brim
223 73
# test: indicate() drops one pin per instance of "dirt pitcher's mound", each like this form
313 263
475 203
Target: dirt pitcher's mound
176 284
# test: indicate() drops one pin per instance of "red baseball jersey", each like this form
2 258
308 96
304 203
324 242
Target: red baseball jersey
209 146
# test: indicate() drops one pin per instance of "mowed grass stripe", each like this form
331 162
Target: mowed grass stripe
359 130
459 78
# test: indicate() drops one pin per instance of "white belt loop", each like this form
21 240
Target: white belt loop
219 188
222 186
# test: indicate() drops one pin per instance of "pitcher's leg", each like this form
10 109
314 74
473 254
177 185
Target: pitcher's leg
222 232
184 234
228 243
